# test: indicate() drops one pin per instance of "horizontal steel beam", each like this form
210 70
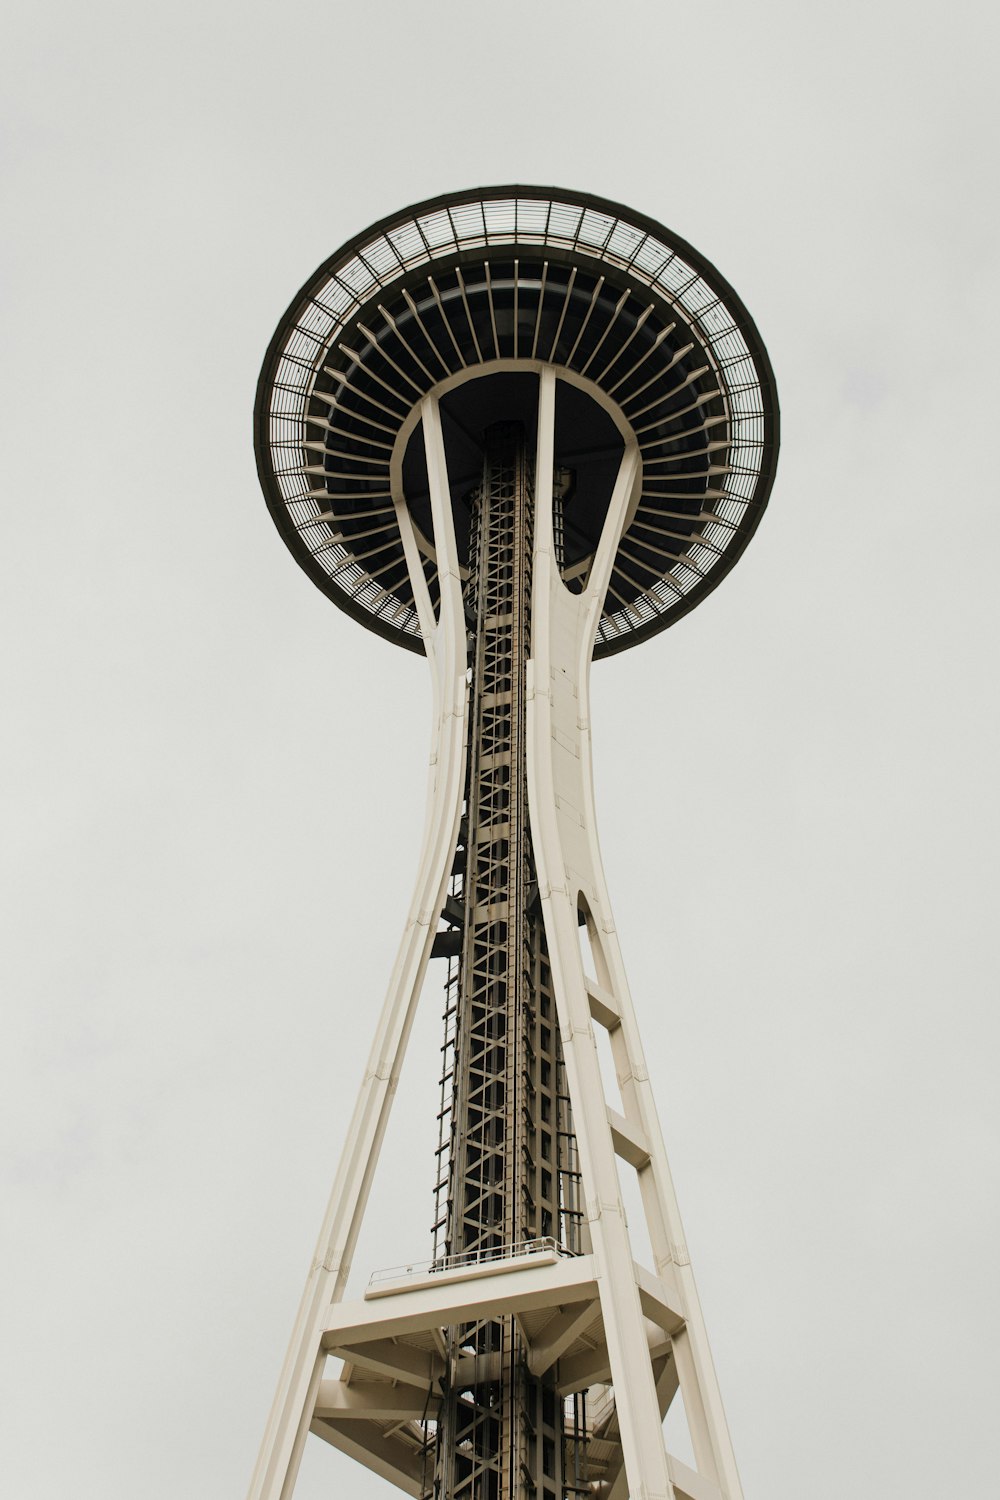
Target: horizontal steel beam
374 1401
393 1360
593 1366
518 1287
557 1336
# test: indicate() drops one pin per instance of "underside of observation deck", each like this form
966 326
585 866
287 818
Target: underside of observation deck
516 279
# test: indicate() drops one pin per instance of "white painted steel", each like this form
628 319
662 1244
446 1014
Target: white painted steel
291 1412
559 1335
374 1332
563 626
515 1287
379 1451
379 1401
568 860
646 1316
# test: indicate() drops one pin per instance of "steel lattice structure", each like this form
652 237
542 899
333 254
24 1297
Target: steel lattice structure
514 429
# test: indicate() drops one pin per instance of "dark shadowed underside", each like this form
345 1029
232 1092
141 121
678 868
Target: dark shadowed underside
448 290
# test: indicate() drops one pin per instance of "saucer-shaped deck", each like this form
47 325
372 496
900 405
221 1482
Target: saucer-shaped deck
469 296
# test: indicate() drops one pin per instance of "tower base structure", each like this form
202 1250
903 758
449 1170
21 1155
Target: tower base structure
629 1335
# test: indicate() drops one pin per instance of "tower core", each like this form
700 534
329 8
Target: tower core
514 429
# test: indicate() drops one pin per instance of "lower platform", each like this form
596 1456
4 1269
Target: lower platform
381 1407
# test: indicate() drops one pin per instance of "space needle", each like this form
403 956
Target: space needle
514 429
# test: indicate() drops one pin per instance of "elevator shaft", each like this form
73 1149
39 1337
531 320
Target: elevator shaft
512 1178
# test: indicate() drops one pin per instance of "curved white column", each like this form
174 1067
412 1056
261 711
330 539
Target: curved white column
568 861
444 638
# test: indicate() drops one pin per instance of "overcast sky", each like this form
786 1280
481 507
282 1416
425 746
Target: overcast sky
213 780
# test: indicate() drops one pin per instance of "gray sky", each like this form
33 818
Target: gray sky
213 794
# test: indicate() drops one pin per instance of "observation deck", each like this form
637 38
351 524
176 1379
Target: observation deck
468 297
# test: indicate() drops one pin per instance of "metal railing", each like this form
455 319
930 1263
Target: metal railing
470 1258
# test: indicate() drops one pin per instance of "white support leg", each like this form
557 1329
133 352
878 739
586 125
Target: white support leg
567 854
560 621
699 1383
444 638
